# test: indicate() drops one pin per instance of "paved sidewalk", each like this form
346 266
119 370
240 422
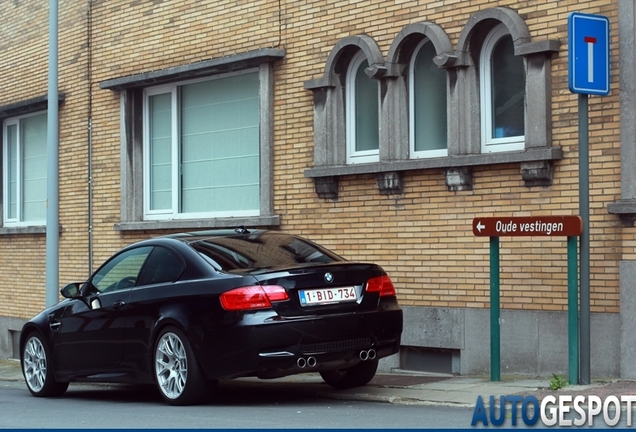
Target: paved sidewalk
414 389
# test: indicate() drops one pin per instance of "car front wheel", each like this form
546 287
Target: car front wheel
177 373
38 370
355 376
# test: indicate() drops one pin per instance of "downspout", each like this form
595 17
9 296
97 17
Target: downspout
89 74
52 165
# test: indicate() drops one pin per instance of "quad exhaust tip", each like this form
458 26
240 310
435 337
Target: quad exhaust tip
303 362
367 355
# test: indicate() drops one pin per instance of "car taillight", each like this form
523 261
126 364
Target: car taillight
382 285
253 297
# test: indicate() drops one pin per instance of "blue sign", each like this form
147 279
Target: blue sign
588 62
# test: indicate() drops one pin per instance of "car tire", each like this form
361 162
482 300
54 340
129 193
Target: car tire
177 373
37 368
355 376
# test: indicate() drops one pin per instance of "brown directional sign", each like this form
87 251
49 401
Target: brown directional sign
551 226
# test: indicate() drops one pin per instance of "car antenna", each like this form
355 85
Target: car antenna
242 230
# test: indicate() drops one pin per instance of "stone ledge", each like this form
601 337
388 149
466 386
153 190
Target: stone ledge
197 224
536 169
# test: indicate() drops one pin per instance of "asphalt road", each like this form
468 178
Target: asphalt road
238 405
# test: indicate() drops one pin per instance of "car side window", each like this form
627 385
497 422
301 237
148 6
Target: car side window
121 272
162 266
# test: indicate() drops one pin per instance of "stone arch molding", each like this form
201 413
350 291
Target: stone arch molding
445 54
364 43
464 146
514 23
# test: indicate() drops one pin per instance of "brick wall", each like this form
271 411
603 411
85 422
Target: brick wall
24 70
422 237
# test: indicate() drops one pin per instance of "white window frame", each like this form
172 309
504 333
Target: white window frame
174 211
174 157
489 144
412 122
17 221
354 156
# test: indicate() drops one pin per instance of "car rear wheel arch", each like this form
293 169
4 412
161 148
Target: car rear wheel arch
174 321
154 335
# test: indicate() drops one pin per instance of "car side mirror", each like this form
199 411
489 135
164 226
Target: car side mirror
71 290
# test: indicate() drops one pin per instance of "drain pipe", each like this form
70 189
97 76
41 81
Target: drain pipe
90 195
89 74
52 165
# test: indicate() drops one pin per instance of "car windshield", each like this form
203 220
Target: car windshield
261 251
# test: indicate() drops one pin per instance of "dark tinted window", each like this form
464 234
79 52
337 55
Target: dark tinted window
261 251
121 272
162 266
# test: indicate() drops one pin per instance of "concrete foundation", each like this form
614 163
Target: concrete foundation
532 343
9 336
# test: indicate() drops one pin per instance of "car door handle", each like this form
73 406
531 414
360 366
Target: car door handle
55 325
119 304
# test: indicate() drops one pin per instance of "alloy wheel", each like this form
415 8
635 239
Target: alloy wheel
171 365
34 364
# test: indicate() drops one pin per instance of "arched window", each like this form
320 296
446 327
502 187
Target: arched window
502 91
427 104
362 111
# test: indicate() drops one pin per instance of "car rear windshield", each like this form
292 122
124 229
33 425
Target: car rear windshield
261 251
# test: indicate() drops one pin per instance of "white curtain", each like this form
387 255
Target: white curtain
430 101
220 145
33 131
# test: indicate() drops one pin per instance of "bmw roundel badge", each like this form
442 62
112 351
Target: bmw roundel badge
328 277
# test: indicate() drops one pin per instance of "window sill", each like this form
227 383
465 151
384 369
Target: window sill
625 209
537 171
197 224
40 229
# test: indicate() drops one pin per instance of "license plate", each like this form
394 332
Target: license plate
327 295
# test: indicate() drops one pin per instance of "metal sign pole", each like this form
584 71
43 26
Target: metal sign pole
551 226
584 211
495 330
588 73
573 312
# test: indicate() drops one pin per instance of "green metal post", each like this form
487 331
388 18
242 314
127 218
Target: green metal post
495 346
573 312
584 210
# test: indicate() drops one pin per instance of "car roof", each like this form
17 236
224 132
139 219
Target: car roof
244 249
195 236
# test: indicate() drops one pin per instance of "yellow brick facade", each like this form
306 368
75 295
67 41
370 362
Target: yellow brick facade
422 237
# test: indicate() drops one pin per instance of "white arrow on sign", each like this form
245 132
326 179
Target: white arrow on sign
480 226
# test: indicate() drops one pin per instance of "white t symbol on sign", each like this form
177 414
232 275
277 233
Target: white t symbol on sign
590 41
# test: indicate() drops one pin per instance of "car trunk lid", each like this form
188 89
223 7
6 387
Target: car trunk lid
324 289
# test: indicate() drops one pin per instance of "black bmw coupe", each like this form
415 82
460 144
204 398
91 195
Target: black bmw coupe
184 311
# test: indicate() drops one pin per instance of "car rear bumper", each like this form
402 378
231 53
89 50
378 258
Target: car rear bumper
265 345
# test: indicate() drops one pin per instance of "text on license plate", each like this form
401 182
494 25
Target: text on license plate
327 295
